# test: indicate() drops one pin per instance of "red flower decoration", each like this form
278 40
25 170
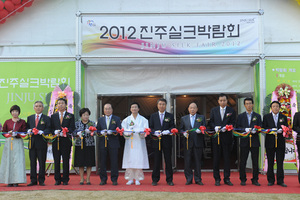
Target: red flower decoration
7 135
120 131
35 131
202 128
147 131
65 130
257 127
174 131
229 127
92 129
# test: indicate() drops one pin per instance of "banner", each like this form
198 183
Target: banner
23 83
134 35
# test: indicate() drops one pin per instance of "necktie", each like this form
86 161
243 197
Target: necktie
36 120
275 120
161 119
61 118
107 123
222 113
192 121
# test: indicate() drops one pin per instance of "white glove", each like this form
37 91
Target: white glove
103 132
61 134
166 132
40 132
56 132
223 129
217 128
14 134
109 132
279 131
253 131
29 131
127 133
274 129
79 133
198 130
185 134
87 131
247 129
136 132
142 135
157 133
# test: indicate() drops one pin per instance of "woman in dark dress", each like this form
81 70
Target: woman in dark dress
84 145
12 169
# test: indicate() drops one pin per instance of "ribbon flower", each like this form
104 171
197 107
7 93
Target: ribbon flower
147 131
65 130
202 128
92 129
229 127
120 131
174 131
35 131
285 131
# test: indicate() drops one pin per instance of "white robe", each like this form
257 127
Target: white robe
137 156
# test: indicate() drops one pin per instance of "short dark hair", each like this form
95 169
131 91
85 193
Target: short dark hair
222 95
108 104
15 107
248 99
134 103
161 99
83 110
62 99
275 102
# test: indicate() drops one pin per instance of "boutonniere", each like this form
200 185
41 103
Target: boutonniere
113 121
199 119
281 120
228 114
131 123
42 121
67 117
254 118
167 119
90 124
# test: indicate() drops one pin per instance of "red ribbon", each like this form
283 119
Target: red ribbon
174 131
7 135
202 128
229 127
35 131
147 131
285 131
92 129
257 127
120 131
65 130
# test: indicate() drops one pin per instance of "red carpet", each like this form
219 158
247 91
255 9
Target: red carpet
179 181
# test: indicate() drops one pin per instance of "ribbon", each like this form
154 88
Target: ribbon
159 139
65 130
147 131
174 131
35 131
105 137
285 131
229 127
120 131
202 128
92 129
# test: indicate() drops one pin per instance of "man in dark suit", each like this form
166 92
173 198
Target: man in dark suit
161 124
273 121
38 145
246 121
296 127
220 117
62 145
106 125
194 146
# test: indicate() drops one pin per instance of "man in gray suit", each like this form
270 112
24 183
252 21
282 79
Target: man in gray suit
194 143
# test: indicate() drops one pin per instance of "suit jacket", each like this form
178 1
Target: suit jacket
296 125
242 123
113 140
268 123
68 121
216 120
44 124
168 124
195 139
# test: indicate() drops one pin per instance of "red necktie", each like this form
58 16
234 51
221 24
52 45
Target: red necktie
36 120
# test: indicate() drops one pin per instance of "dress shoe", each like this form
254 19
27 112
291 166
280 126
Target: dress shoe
188 183
57 183
170 183
32 184
65 183
137 182
228 183
243 183
255 183
154 183
270 184
10 185
42 184
115 183
199 183
283 185
102 183
81 183
130 182
88 183
16 185
217 183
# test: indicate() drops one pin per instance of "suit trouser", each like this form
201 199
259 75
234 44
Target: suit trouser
41 155
64 151
196 153
113 155
226 148
280 153
157 160
243 161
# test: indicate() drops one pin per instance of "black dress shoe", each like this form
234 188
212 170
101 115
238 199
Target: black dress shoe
283 184
65 183
199 183
102 183
188 183
270 184
154 183
16 185
42 184
170 183
217 183
81 183
10 185
88 183
243 183
57 183
32 184
255 183
115 183
228 183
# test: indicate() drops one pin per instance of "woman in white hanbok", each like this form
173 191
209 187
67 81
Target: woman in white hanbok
135 157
